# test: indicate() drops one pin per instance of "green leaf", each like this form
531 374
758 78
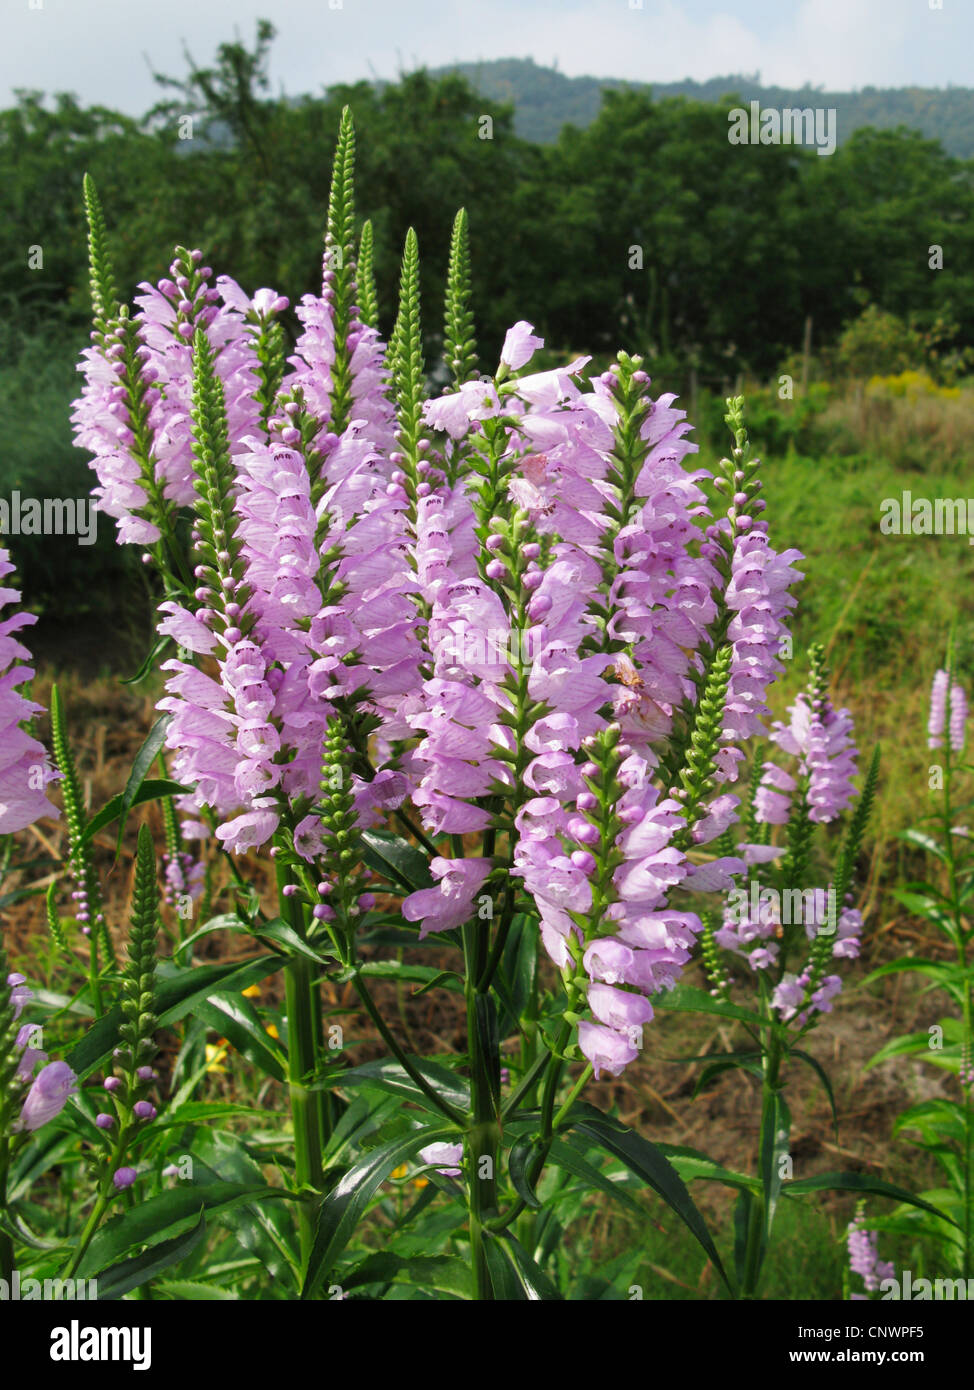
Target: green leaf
132 1273
944 974
947 1117
155 651
721 1065
193 1291
504 1278
914 1044
449 979
536 1285
163 1217
144 759
564 1156
444 1273
517 1167
48 1147
648 1163
235 1019
745 1213
152 789
196 1112
408 973
178 990
397 859
924 842
281 933
688 999
692 1165
391 1077
823 1076
342 1208
858 1182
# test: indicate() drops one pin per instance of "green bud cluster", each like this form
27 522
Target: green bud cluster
367 299
138 986
217 546
718 981
340 266
459 344
80 856
117 336
630 392
696 777
736 477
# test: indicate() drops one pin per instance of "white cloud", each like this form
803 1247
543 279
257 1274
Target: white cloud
97 47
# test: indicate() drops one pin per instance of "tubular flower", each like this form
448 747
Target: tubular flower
820 738
938 708
25 768
48 1095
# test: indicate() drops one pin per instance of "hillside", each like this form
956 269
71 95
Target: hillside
546 99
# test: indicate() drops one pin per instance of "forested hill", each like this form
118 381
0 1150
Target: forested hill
545 99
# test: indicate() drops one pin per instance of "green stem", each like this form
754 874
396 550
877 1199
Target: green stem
302 1068
6 1241
527 1083
483 1140
91 1226
304 1103
572 1096
761 1217
400 1056
101 1204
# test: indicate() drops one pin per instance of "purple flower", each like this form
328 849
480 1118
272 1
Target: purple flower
864 1256
451 904
104 1121
144 1110
19 993
520 345
819 736
607 1050
25 769
48 1095
759 599
938 708
446 1154
958 718
30 1055
619 1008
124 1177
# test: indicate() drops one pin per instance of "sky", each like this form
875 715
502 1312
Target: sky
100 49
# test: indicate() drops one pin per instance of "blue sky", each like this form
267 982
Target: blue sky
98 48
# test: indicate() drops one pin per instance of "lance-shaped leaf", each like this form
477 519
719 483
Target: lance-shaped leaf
342 1208
648 1163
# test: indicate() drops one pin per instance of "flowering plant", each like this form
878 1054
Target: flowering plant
476 672
942 1125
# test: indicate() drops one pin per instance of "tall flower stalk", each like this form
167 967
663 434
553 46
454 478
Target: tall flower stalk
944 1126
